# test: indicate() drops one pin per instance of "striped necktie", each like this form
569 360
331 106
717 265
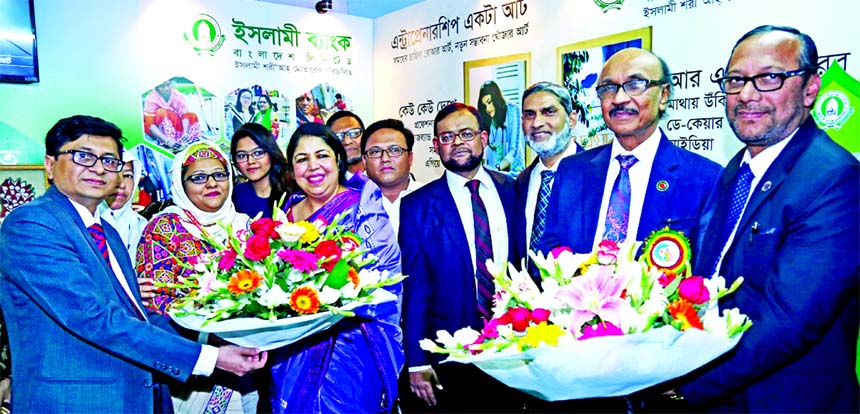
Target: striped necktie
740 193
539 222
483 252
98 234
618 213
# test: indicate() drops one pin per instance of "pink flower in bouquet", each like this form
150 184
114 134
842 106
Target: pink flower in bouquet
300 260
666 278
596 293
694 290
227 259
520 318
607 252
540 315
491 329
265 227
557 251
600 329
257 247
331 251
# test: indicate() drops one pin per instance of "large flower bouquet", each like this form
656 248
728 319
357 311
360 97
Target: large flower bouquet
603 324
280 282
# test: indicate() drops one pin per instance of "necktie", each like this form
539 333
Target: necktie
539 222
98 234
483 252
618 213
740 192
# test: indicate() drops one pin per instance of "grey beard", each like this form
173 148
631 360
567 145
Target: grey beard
552 146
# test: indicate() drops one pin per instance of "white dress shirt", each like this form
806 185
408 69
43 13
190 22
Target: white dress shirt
640 174
205 364
534 188
759 166
393 207
495 212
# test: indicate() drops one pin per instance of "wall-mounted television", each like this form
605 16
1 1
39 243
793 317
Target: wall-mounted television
18 60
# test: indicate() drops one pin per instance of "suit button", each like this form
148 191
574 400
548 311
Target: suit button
147 383
175 371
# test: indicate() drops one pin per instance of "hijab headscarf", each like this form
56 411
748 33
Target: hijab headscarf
125 220
188 213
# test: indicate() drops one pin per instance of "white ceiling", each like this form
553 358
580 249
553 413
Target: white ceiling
363 8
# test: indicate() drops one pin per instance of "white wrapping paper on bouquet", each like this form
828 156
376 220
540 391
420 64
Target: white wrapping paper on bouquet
605 366
266 335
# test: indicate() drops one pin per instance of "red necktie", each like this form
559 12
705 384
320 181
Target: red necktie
483 252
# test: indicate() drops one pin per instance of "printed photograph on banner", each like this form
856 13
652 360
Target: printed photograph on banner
154 189
494 86
19 185
259 105
308 109
329 100
579 66
178 112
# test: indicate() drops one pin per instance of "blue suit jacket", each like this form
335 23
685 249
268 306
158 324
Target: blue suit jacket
521 190
574 206
76 342
797 248
439 292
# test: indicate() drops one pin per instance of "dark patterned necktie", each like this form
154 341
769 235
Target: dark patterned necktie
740 193
618 213
98 234
483 252
539 222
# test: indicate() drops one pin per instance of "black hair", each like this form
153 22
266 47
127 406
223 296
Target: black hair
327 135
343 114
808 54
238 105
280 176
71 128
450 109
394 124
491 89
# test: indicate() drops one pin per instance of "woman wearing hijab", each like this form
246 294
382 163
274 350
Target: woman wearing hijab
202 187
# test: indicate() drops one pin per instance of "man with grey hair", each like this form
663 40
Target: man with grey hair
547 120
640 182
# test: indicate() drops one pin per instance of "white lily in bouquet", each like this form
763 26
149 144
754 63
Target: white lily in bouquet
280 282
601 324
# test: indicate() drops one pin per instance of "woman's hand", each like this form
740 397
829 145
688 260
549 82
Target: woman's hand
147 289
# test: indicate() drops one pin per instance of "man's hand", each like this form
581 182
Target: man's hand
5 389
240 361
422 384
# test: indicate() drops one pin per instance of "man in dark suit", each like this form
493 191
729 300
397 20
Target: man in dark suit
80 339
793 237
547 120
640 182
447 229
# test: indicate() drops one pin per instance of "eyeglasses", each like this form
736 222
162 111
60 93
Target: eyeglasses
393 151
88 159
352 133
204 178
465 134
257 154
633 87
764 82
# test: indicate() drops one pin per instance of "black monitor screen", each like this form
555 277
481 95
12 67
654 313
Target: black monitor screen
18 61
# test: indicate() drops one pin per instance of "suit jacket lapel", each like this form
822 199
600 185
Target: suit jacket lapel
656 202
592 192
445 209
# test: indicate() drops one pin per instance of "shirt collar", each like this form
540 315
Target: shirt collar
571 149
458 181
644 152
88 218
761 162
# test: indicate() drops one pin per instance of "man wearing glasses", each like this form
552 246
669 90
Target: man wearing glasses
80 339
793 237
640 182
448 230
387 147
349 129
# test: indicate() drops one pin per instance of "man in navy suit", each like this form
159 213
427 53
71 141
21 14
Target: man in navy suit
665 185
794 239
441 247
547 120
79 337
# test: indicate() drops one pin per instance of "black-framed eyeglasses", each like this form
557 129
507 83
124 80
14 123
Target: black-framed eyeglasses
393 151
219 176
88 159
633 87
352 133
763 82
257 154
465 134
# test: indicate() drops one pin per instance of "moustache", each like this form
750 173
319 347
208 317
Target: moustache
617 109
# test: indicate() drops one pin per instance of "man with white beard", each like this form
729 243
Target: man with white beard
547 119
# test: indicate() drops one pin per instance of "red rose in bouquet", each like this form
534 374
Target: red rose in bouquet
258 248
330 250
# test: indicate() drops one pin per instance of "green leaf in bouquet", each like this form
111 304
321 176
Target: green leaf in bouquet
338 276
